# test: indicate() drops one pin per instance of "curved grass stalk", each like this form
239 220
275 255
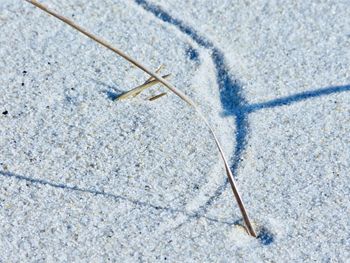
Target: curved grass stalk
179 93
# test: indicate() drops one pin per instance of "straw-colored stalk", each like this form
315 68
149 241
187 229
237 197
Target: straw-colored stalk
157 96
136 91
179 93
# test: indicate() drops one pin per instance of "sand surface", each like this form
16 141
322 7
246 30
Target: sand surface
84 178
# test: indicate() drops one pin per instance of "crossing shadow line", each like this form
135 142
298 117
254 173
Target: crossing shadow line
232 100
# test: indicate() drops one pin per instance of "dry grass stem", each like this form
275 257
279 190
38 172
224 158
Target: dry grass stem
151 78
179 93
157 96
136 91
161 66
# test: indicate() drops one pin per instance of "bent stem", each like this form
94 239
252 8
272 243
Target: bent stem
179 93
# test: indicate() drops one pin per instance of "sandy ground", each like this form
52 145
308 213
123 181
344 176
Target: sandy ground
84 178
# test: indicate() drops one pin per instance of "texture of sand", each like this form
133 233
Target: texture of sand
84 178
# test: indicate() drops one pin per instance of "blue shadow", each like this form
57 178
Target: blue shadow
295 98
192 54
231 98
138 203
112 92
230 91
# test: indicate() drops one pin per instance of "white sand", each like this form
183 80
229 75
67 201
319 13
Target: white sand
87 179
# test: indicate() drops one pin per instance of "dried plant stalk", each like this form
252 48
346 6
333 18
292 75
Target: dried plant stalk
151 78
179 93
136 91
157 96
156 71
